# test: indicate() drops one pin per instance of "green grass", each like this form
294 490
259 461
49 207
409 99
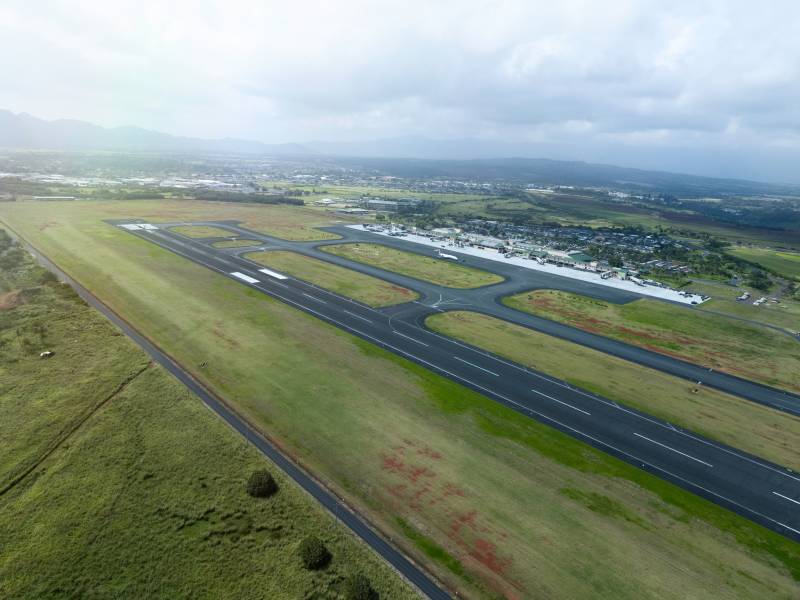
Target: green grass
126 486
768 433
369 290
785 314
235 243
201 231
435 270
475 478
785 264
743 349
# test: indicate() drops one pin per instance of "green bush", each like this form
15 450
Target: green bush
313 553
358 587
261 484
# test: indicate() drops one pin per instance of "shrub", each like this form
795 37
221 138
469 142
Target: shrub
261 484
313 553
48 277
358 587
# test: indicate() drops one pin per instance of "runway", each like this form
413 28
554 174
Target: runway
487 300
361 528
756 489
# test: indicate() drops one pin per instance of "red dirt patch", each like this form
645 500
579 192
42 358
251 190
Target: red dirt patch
11 300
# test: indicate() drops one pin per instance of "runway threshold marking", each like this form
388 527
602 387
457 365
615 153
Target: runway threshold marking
274 274
567 404
314 298
786 498
244 277
702 462
466 362
352 314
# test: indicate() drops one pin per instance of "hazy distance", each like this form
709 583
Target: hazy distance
703 87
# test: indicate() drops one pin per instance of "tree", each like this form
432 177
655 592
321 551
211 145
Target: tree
261 484
313 553
358 587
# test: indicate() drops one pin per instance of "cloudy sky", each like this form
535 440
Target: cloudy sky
700 86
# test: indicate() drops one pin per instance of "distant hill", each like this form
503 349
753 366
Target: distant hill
404 156
26 132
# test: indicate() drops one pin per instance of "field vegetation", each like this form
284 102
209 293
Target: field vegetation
363 288
494 502
756 429
235 243
785 264
201 231
713 341
115 481
435 270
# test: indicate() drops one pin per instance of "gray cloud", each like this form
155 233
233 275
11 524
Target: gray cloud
606 78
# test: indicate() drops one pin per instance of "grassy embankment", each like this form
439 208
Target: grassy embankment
785 264
493 501
768 433
364 288
435 270
116 482
729 345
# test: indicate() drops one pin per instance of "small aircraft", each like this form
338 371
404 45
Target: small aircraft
449 256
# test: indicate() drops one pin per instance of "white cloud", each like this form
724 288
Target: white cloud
646 72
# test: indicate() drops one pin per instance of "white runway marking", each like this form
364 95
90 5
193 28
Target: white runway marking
580 410
352 314
476 366
314 298
273 274
408 337
786 498
702 462
244 277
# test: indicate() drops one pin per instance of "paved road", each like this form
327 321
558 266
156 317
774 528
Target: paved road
487 300
763 492
341 512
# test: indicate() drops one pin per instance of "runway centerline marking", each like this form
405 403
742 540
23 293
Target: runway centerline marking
786 498
408 337
314 298
567 404
352 314
466 362
702 462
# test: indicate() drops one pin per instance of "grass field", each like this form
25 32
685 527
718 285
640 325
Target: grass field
736 347
494 502
435 270
235 243
785 314
126 486
785 264
201 231
768 433
283 221
369 290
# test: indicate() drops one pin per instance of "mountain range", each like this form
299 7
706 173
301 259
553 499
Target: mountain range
402 156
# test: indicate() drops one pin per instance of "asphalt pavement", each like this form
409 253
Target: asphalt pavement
756 489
